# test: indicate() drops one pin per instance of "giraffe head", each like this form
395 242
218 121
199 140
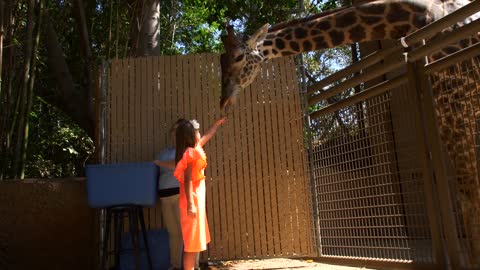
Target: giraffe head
240 63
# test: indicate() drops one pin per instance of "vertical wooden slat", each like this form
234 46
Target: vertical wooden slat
284 142
129 97
289 159
282 166
165 104
171 99
201 109
239 130
115 153
152 125
140 92
222 249
114 94
185 106
267 157
247 172
194 94
299 167
260 159
278 175
254 162
151 116
166 108
158 127
244 179
134 125
123 99
211 62
144 127
112 105
196 86
157 118
229 226
207 64
234 132
300 162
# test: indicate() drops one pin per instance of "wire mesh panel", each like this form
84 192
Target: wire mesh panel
368 182
457 102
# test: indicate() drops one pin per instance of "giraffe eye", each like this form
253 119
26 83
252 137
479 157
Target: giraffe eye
239 58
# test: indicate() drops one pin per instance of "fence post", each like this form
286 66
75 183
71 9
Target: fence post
317 248
427 172
442 222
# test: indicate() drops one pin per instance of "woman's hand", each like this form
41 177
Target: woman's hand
191 210
211 131
220 121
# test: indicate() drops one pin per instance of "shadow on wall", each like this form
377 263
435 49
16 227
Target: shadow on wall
46 224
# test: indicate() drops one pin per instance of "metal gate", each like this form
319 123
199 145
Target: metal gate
395 166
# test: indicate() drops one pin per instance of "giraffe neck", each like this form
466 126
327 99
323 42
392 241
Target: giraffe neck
379 20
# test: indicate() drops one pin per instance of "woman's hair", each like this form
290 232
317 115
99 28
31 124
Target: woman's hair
175 125
184 137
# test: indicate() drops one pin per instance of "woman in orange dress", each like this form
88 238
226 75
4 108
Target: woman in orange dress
190 162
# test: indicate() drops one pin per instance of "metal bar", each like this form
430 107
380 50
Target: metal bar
375 263
313 193
464 54
430 200
444 40
372 73
368 93
442 23
355 67
439 165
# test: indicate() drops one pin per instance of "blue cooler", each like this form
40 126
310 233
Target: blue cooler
123 188
122 184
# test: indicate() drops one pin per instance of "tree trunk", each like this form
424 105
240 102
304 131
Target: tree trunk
79 11
73 103
2 126
6 97
22 97
2 6
150 29
31 82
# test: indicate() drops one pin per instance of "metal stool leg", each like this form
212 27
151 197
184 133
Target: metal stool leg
118 235
106 235
144 232
132 217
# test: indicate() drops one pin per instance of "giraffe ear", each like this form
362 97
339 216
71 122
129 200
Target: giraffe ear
259 36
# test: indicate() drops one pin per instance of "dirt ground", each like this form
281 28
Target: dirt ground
277 263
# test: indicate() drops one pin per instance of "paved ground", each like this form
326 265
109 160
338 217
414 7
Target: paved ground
277 264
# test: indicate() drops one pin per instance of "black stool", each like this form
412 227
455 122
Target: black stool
135 215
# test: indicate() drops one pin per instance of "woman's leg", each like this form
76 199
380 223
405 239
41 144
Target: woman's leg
189 260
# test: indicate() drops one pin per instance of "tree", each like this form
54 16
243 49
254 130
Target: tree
59 63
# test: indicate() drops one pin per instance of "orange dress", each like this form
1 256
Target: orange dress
195 232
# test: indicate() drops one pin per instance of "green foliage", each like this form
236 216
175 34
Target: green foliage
57 147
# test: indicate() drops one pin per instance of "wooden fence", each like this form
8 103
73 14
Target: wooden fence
257 191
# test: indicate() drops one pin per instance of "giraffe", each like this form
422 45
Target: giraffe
377 20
